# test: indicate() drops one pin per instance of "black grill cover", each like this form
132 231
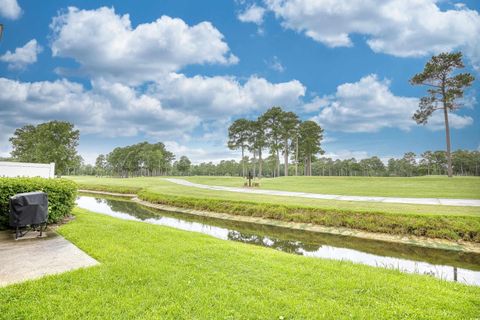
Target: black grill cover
28 208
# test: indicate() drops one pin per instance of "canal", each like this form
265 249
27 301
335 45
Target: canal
444 264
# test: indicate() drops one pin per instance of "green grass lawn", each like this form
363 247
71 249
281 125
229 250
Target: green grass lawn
445 222
416 187
160 186
152 272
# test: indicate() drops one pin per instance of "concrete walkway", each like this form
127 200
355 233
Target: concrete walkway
431 201
28 259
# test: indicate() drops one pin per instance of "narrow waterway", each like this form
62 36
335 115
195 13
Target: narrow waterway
445 264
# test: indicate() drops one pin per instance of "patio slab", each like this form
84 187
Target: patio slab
33 258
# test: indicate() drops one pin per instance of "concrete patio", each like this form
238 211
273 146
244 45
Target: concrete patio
33 258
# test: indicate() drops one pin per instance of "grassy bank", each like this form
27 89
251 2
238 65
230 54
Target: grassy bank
445 227
445 222
414 187
152 272
160 186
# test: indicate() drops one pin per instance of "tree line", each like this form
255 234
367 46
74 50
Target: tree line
281 133
56 141
464 162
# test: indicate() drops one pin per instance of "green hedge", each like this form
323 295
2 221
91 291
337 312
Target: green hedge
62 194
435 226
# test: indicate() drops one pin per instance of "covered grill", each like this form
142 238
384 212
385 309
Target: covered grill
28 210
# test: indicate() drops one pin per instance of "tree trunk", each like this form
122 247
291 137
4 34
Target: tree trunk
243 162
285 157
260 163
278 163
309 164
254 162
447 136
296 157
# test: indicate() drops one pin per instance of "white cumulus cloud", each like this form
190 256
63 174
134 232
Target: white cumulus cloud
253 14
169 110
10 9
109 109
22 56
198 154
221 96
403 28
369 105
105 44
344 154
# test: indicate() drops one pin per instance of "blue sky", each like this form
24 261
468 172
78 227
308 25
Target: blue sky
180 71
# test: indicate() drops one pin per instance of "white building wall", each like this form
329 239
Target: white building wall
23 169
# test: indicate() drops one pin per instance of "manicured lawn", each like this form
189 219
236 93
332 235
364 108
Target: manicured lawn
160 186
416 187
445 222
152 272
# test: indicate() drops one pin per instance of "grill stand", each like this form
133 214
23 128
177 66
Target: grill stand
41 228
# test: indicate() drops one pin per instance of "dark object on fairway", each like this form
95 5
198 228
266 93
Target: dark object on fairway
249 177
28 210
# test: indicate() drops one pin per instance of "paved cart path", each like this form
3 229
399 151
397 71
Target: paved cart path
432 201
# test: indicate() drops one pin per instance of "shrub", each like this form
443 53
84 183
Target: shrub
62 194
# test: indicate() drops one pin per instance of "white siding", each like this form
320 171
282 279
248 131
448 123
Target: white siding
22 169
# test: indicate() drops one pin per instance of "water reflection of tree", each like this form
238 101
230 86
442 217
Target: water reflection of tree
403 251
130 208
289 246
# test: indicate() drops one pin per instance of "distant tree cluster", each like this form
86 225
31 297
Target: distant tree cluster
223 168
281 133
141 159
428 163
182 166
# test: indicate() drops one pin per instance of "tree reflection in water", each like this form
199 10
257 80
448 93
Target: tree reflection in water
290 246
